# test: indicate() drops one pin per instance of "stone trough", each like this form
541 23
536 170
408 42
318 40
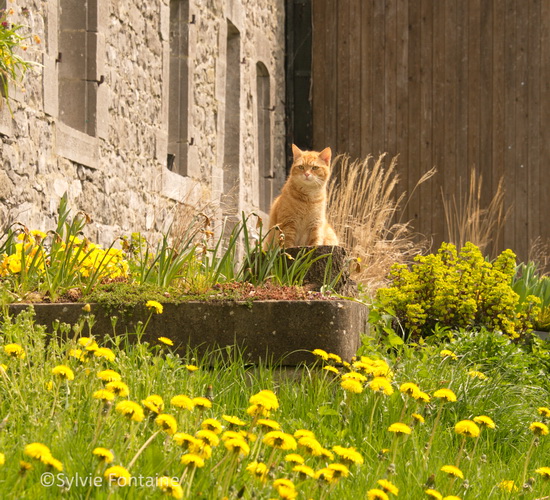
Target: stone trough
268 331
275 331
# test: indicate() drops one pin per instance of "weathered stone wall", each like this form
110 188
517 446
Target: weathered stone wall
119 176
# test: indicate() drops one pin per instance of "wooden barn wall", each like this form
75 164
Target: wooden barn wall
454 84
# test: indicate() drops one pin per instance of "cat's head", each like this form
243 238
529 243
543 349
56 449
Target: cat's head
310 169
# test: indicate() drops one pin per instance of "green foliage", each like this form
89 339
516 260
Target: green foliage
528 281
457 290
12 66
51 263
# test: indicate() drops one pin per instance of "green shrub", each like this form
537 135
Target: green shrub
457 289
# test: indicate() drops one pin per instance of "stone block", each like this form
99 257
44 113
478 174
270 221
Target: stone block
274 331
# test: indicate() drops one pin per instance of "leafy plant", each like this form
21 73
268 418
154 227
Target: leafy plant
12 66
458 290
54 262
528 281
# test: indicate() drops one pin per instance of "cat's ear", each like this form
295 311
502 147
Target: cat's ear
296 151
326 155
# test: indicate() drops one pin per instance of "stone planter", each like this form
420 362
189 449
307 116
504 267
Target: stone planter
267 331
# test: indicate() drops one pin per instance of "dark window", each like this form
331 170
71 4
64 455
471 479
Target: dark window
78 79
178 101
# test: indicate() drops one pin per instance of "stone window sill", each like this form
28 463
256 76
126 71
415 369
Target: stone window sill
76 146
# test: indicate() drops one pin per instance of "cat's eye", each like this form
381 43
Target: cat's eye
314 168
301 167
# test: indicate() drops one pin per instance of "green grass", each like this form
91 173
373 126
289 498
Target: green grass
35 406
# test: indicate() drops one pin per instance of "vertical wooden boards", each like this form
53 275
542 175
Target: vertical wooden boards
534 177
544 61
454 84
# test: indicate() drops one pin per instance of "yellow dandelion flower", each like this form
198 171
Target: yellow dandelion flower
351 385
236 421
131 410
377 494
287 493
320 354
181 401
544 472
327 454
38 451
434 494
544 411
311 445
507 485
410 388
326 474
446 353
451 497
423 397
63 372
233 435
167 423
53 462
79 354
166 341
354 376
104 395
399 429
388 486
539 428
348 455
2 459
212 424
118 388
186 440
258 470
192 459
105 352
381 384
485 421
467 428
266 399
445 394
104 455
257 411
300 433
201 403
452 471
117 475
87 308
109 376
340 470
281 440
267 423
238 446
418 418
170 487
331 369
294 458
277 483
88 343
334 357
208 437
24 466
304 470
191 368
154 306
153 403
477 374
14 351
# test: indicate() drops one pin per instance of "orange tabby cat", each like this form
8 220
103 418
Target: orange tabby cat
300 210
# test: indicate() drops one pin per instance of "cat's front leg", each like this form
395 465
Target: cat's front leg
289 234
315 238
